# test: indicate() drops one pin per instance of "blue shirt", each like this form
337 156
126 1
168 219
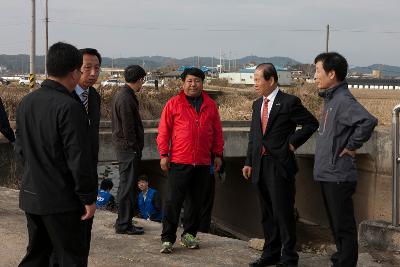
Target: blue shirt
79 90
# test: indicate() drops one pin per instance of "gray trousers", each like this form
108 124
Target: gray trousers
128 173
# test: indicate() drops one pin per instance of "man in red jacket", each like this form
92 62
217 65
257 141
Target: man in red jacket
189 133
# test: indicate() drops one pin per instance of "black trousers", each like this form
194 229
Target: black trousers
276 194
339 206
54 262
128 173
64 233
185 183
207 207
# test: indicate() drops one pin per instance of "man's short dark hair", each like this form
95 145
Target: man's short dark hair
333 61
106 184
194 72
134 73
268 71
143 177
92 52
62 59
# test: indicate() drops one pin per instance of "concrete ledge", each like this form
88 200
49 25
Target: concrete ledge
379 235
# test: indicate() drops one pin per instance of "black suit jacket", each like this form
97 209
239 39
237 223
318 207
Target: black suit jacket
53 143
93 116
286 114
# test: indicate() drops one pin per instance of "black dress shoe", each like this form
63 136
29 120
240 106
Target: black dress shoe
261 262
130 231
282 264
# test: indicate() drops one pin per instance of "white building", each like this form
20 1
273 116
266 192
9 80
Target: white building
246 76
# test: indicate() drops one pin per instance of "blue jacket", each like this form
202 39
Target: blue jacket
150 208
103 199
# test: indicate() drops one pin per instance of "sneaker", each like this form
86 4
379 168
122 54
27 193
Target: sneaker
166 247
189 241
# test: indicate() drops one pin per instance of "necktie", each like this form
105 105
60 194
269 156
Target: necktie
85 99
264 121
264 116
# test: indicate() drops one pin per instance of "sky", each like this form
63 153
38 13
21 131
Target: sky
364 31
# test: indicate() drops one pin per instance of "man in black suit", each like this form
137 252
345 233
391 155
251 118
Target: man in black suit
271 164
90 99
58 192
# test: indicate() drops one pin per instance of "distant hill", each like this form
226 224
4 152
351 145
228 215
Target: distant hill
387 71
20 63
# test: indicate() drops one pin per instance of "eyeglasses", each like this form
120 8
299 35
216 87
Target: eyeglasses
88 69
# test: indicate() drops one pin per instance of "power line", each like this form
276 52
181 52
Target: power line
224 28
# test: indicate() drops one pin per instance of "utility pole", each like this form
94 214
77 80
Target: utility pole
220 60
229 61
327 38
33 47
46 20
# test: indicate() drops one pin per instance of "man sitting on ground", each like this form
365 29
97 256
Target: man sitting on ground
149 201
105 200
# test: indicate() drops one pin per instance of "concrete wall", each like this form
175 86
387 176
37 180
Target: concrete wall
236 202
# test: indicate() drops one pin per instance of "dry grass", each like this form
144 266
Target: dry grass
379 102
11 95
151 102
234 104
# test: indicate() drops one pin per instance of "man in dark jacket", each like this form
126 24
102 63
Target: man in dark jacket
345 126
5 128
90 99
57 193
128 142
271 163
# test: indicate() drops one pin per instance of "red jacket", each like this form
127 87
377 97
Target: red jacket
189 137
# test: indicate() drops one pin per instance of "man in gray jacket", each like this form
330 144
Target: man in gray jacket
344 127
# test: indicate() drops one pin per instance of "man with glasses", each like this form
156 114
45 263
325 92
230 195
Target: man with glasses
58 192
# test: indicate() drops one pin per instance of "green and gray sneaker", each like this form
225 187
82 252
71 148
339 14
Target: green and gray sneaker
166 247
189 241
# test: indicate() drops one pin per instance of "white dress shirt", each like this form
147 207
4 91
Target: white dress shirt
271 99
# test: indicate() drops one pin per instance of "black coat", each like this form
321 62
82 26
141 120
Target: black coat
5 128
286 114
93 115
53 142
127 127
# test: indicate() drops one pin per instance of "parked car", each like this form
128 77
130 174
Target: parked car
4 82
24 80
112 82
149 83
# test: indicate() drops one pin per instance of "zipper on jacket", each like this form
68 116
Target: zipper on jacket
325 120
